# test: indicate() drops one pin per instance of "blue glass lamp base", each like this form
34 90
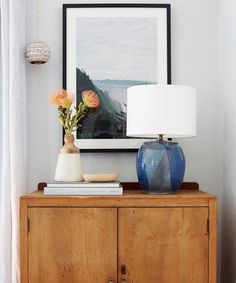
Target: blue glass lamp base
160 167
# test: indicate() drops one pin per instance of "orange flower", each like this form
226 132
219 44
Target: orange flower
62 98
90 99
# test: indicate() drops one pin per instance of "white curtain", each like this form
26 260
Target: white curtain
13 134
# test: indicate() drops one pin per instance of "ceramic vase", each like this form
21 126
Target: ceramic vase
68 168
160 167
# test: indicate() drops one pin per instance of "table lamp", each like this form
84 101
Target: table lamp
161 111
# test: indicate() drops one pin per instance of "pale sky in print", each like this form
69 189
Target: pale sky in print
117 48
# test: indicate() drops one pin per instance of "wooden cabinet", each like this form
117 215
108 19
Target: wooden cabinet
136 238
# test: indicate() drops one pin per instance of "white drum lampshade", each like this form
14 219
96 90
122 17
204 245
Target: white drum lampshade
161 109
164 110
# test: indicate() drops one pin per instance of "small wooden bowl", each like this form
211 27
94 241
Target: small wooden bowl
106 177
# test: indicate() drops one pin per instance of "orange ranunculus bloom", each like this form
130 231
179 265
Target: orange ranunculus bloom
90 99
62 98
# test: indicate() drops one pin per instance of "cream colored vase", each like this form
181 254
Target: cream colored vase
68 168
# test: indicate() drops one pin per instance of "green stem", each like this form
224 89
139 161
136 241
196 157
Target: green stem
71 123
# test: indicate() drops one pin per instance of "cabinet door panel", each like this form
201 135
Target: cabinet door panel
163 245
72 245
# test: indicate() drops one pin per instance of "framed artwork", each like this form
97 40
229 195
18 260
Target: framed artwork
108 48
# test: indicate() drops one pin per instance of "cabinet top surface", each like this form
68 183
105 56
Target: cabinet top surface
133 196
130 198
128 194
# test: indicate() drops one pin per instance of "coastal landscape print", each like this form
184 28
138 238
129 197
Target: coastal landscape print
113 54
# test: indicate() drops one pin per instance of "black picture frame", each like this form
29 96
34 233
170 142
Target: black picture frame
109 145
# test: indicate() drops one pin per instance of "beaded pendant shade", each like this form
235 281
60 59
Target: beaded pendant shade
37 52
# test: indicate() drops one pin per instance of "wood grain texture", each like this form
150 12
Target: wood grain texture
167 245
212 241
23 241
111 202
71 245
130 198
156 232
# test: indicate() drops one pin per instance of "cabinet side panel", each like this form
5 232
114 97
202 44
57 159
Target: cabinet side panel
23 241
212 241
163 244
71 245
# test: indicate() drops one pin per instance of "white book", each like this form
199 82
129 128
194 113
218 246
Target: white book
83 185
83 191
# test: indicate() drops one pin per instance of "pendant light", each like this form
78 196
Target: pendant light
38 52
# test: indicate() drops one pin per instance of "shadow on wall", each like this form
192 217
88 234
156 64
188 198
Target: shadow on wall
228 270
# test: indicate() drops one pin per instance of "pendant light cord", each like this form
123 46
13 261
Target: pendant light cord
39 9
38 69
38 76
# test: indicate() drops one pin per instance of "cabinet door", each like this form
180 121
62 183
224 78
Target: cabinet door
72 245
163 245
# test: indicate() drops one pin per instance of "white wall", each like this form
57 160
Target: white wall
194 53
195 56
228 102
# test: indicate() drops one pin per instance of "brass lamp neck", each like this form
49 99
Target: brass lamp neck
161 137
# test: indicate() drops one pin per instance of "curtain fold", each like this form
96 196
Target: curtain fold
14 134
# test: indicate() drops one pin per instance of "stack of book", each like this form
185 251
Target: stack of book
83 188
